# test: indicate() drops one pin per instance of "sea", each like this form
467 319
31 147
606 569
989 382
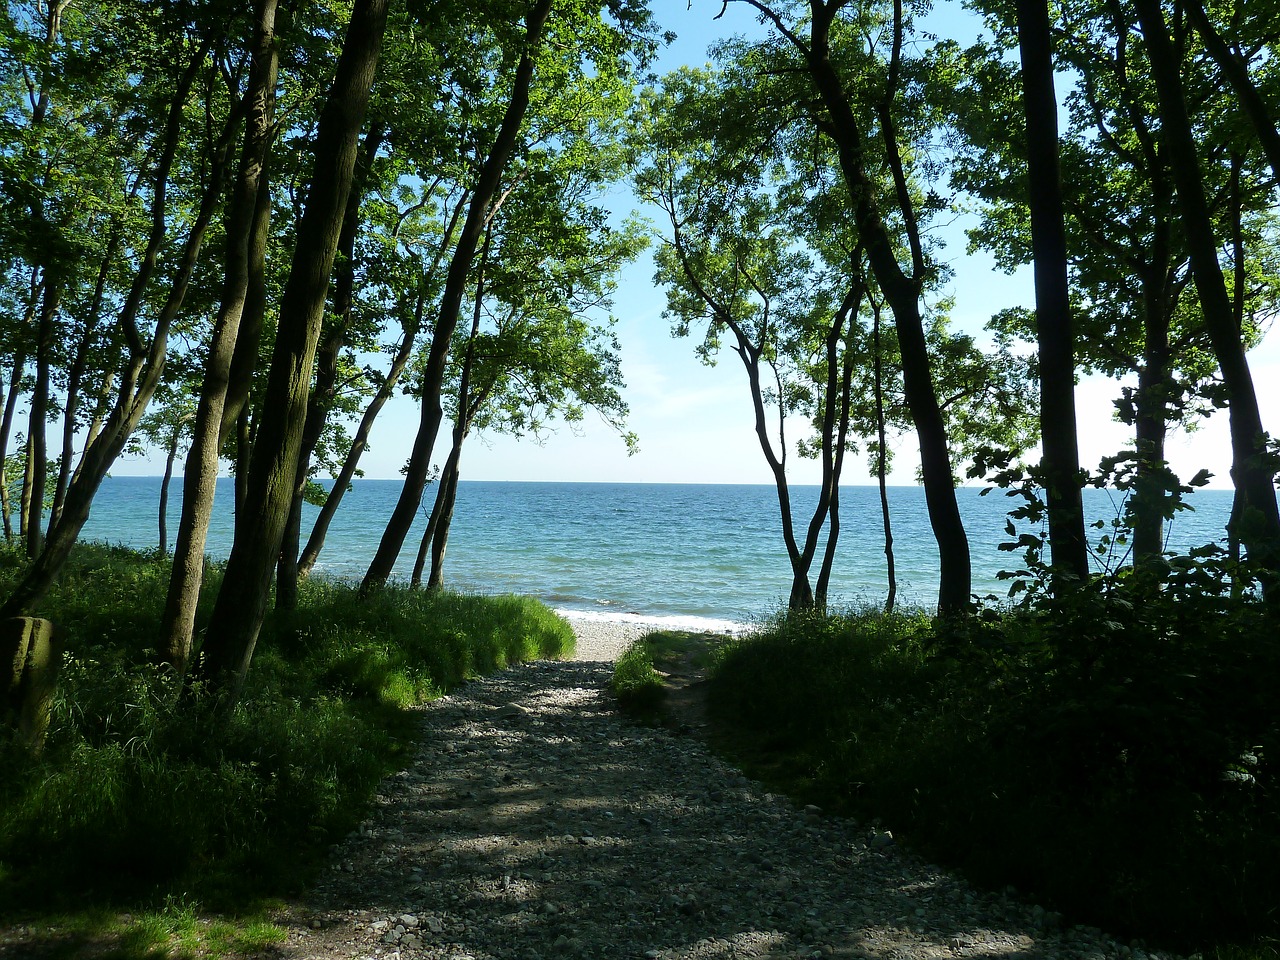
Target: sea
695 556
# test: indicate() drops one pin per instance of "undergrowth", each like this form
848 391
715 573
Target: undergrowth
1112 752
137 799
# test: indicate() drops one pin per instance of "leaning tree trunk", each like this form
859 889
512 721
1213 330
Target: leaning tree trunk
1259 522
322 394
451 305
903 295
320 529
247 225
242 601
1060 463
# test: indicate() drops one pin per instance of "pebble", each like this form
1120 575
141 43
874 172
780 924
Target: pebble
673 854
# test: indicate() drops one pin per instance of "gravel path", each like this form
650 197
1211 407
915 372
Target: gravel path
536 822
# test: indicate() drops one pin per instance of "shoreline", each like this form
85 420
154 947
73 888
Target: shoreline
605 636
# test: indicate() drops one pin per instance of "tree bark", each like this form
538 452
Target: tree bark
247 222
6 428
451 304
1060 462
162 518
322 394
882 461
242 601
1258 525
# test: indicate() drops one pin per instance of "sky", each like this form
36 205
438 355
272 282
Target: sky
695 422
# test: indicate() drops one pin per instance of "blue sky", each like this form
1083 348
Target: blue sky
695 422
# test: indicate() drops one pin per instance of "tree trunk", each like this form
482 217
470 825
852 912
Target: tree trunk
903 295
322 394
1258 524
1060 463
882 462
37 451
315 542
6 428
242 601
821 590
162 519
247 223
1155 386
437 532
451 304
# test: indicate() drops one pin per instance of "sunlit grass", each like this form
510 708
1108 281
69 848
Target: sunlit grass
138 797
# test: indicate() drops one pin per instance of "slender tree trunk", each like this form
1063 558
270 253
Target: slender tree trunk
451 303
437 532
1259 522
6 428
247 224
242 601
75 378
162 519
437 511
822 589
882 461
315 542
436 537
1060 463
37 449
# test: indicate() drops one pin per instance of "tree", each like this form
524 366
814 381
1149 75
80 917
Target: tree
241 603
1252 465
1060 464
536 350
829 38
157 160
568 86
242 294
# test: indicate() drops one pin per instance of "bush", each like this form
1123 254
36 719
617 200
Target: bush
1111 750
635 682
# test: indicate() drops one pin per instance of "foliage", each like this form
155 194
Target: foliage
138 791
635 682
1110 751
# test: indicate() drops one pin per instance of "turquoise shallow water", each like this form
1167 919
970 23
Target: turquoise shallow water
692 551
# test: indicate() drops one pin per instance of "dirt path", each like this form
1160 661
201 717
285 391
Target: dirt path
537 822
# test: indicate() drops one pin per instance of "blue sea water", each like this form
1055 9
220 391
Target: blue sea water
688 553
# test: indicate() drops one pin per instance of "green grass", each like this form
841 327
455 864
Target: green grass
1102 791
636 684
143 806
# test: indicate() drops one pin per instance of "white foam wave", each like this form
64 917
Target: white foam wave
666 622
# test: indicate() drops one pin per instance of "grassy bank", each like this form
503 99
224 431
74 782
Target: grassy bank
1115 761
140 805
